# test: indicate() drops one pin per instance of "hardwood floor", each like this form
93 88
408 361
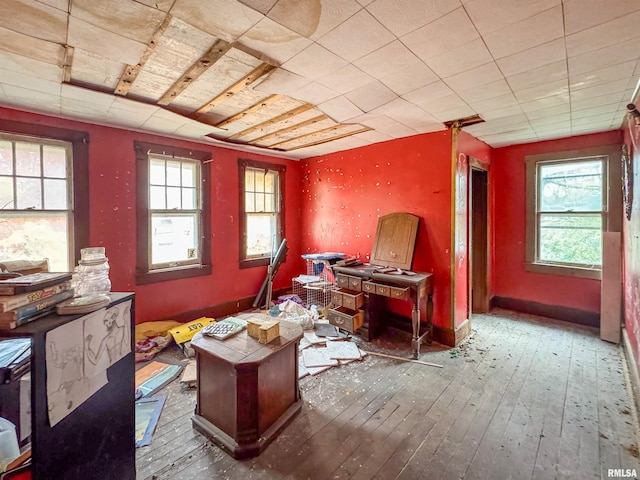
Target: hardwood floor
525 398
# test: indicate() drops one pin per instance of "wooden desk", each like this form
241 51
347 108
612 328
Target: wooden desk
420 286
247 392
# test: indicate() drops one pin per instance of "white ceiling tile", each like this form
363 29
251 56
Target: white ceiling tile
494 113
19 64
407 114
553 119
85 109
356 37
493 103
345 79
486 91
194 129
534 57
340 109
277 42
373 136
533 31
610 33
595 112
314 93
283 82
604 57
581 14
475 77
91 69
603 75
442 35
30 47
545 102
608 99
101 42
538 76
468 56
62 5
226 19
31 99
99 99
548 112
123 17
35 20
262 6
456 113
401 18
27 81
410 78
314 62
312 19
387 60
371 96
443 104
429 92
551 89
619 86
489 16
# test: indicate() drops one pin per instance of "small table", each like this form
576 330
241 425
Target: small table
247 392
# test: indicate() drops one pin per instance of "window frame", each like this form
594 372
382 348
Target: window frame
79 141
611 211
243 164
144 273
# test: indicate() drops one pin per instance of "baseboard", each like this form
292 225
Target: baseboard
223 309
573 315
633 367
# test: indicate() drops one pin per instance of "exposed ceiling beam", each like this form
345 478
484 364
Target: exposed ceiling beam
290 114
290 128
131 72
215 53
271 99
68 63
319 133
240 85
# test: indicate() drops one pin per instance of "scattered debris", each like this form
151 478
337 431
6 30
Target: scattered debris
403 359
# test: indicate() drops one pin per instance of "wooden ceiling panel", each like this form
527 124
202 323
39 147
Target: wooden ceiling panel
164 5
123 17
291 117
323 136
306 128
239 102
26 46
35 19
91 69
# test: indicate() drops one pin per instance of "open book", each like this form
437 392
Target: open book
225 328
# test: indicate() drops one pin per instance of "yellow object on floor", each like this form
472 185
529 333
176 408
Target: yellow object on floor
154 329
185 331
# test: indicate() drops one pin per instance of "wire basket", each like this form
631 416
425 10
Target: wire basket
314 287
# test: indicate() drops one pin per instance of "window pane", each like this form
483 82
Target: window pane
189 198
54 161
573 239
173 238
259 202
28 159
173 173
6 193
250 202
174 197
29 193
249 180
260 229
188 175
574 186
157 199
269 202
270 182
259 187
6 158
34 237
156 172
55 194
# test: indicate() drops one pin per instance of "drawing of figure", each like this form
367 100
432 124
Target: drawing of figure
70 364
114 343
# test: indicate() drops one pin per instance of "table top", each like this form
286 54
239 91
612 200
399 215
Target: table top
243 349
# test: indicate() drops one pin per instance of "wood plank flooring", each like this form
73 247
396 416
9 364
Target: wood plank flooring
526 398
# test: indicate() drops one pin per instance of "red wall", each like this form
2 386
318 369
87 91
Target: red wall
508 188
112 201
631 249
344 194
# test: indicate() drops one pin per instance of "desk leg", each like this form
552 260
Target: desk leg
430 318
415 322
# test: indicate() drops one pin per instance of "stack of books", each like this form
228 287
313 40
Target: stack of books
29 297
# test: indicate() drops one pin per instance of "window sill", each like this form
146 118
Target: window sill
569 271
172 274
254 262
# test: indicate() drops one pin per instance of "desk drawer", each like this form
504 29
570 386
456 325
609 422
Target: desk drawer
349 282
384 290
349 320
368 286
400 292
347 299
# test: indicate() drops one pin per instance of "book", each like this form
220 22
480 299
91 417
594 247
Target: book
12 302
32 282
35 307
11 324
225 328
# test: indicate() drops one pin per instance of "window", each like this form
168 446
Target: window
261 211
43 192
173 213
568 210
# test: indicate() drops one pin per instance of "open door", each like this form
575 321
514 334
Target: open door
479 237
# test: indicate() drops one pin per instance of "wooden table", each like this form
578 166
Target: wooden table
421 287
247 392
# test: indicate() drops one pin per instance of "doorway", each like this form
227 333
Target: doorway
479 237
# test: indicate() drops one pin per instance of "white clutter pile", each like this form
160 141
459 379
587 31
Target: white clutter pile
318 353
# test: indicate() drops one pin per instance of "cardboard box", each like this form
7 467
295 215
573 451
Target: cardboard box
263 330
